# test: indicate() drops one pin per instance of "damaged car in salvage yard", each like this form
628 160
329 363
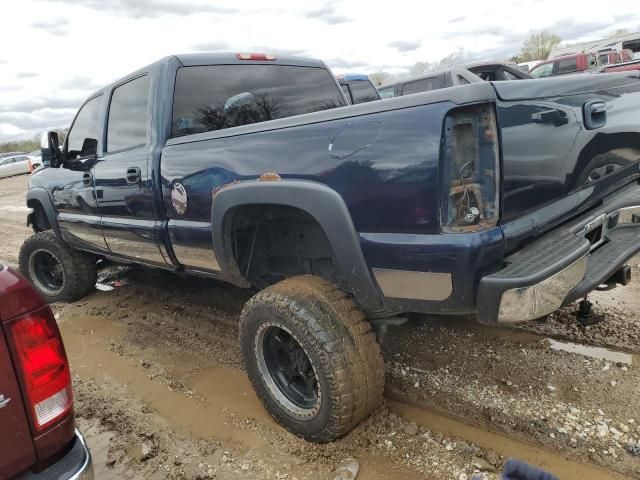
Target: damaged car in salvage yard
503 200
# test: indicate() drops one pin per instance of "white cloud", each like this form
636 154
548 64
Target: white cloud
75 46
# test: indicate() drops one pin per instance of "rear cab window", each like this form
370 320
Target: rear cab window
363 91
423 85
216 97
568 65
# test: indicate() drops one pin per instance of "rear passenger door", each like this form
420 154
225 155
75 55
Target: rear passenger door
122 181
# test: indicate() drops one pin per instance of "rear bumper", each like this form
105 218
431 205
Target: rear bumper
75 465
565 264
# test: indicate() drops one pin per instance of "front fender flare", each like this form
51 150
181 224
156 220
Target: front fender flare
322 203
41 196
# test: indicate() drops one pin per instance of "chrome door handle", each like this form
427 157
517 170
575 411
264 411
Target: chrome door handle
133 175
4 401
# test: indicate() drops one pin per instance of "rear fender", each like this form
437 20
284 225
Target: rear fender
319 201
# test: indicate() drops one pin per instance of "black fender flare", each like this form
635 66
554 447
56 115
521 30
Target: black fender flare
318 200
41 196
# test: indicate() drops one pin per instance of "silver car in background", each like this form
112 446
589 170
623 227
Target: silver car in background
18 164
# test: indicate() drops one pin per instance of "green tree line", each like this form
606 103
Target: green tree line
27 146
21 145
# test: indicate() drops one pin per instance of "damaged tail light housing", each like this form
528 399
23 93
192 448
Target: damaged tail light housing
471 173
42 363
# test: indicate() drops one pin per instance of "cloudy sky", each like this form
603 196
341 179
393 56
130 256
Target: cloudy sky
54 53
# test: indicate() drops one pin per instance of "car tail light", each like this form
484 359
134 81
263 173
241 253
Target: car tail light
255 56
471 173
42 363
30 165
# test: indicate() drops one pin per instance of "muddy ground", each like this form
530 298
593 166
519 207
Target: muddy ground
160 391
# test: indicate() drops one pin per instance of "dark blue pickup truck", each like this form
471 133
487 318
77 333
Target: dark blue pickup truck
504 200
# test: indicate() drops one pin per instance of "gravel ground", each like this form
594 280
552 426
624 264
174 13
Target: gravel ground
160 390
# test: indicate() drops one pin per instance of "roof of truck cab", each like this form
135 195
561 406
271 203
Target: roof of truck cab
214 58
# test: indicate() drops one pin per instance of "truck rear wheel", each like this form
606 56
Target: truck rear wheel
311 357
57 272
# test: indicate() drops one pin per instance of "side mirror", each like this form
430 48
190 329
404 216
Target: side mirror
50 148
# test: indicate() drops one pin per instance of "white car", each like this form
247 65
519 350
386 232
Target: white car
18 164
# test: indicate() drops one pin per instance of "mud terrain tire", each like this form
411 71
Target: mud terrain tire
58 272
320 322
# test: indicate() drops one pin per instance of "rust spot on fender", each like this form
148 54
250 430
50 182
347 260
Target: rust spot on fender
215 191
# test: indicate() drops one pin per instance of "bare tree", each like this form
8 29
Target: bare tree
421 67
453 59
538 46
380 78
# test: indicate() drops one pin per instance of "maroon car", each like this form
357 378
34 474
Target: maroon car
38 438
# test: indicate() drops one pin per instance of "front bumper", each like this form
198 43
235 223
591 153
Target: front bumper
75 465
565 264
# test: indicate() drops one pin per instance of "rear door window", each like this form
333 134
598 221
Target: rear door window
128 112
363 91
223 96
423 85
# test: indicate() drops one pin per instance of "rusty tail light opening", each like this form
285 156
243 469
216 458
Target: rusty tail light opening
42 365
471 170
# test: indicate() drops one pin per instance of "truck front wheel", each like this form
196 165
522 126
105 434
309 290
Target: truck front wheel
57 272
311 357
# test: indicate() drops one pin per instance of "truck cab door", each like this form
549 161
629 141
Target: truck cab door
123 186
72 183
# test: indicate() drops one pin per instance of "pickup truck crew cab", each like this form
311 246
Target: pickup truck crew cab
505 200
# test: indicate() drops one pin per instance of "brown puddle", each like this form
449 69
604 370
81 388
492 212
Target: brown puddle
227 394
89 359
505 446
